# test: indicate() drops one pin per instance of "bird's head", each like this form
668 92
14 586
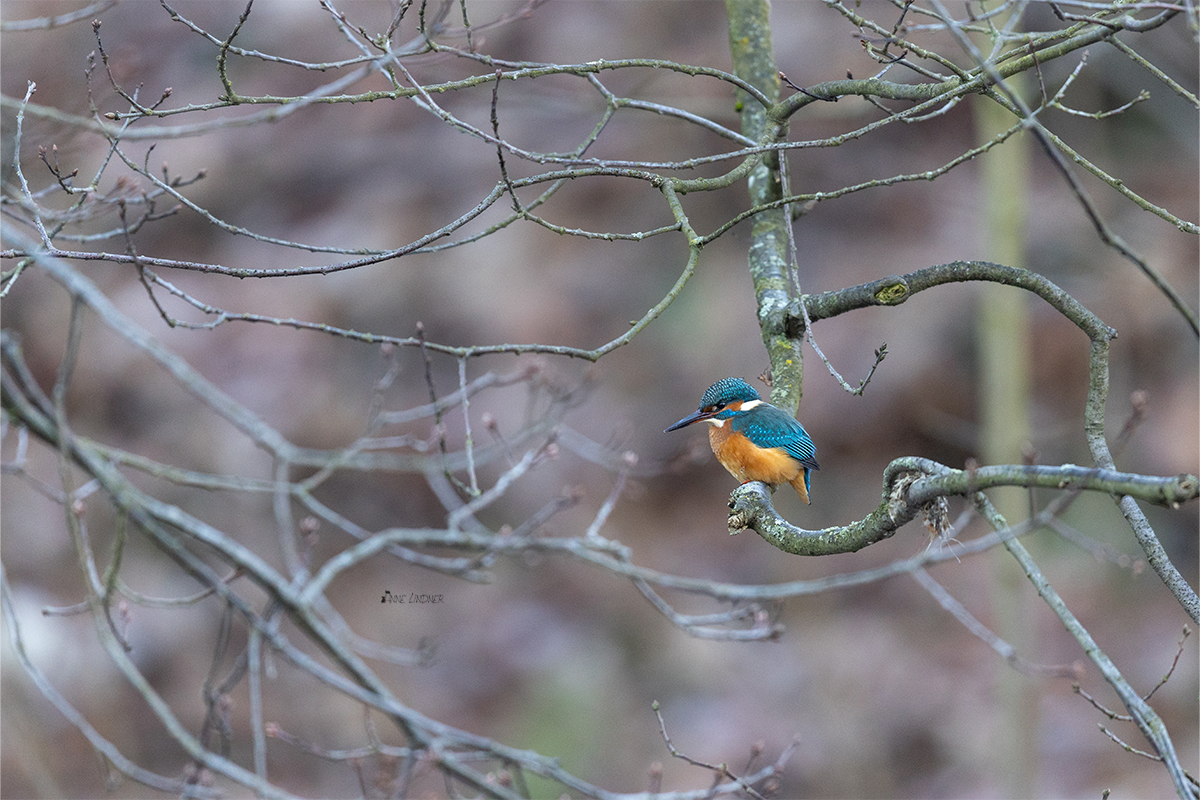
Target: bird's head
724 400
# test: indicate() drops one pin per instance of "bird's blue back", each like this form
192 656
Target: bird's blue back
768 426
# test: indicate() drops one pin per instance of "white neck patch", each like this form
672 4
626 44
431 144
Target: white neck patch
749 404
716 423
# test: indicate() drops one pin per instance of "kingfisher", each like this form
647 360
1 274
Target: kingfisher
753 440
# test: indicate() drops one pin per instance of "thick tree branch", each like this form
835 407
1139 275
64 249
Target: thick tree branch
754 60
910 484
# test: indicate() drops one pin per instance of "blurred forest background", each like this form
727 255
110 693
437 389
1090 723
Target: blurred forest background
884 691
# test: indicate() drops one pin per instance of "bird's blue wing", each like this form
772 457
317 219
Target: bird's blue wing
768 426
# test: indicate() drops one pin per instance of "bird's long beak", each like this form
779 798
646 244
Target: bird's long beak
695 416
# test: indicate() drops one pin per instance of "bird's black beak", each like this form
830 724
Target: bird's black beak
695 416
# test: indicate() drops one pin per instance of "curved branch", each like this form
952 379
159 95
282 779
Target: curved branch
910 484
750 508
896 289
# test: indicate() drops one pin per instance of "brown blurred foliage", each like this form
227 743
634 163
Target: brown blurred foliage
886 693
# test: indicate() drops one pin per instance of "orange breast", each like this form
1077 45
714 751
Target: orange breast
746 462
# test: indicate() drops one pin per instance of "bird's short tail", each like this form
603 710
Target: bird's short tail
801 483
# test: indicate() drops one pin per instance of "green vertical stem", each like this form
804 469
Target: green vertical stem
1004 351
754 62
